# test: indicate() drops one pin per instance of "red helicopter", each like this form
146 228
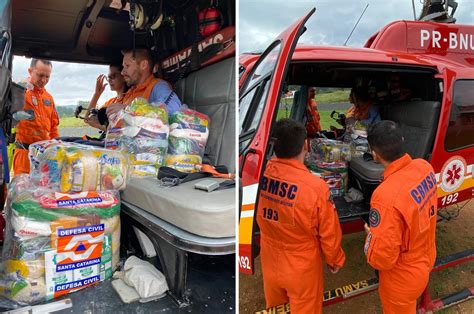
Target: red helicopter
432 56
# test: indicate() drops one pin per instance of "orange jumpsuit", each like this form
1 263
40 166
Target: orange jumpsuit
401 243
44 126
298 225
313 125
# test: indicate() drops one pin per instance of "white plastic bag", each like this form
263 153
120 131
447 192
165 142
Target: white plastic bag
144 277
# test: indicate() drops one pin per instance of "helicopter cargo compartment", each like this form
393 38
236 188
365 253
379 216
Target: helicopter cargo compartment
417 114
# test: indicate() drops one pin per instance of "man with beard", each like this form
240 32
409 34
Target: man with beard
138 74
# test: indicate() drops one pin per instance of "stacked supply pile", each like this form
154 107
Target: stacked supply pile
189 131
59 241
141 130
358 139
328 159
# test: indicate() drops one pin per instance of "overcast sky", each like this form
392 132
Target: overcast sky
69 82
262 20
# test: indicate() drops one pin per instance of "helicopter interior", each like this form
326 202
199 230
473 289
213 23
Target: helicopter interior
410 96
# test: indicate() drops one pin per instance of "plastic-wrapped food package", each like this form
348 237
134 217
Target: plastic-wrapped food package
70 167
359 147
184 163
189 131
18 184
141 130
358 139
330 150
37 149
334 174
88 168
57 243
44 162
112 139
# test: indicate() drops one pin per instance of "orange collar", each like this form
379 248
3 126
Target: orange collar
144 85
397 165
38 90
291 162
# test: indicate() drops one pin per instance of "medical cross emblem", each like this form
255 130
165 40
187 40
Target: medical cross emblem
452 174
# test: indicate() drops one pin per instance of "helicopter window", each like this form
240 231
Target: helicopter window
289 99
460 131
327 99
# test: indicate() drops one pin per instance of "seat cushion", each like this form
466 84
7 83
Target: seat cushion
211 91
369 171
207 214
418 121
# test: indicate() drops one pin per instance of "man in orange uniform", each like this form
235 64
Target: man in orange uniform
138 74
401 238
298 224
44 121
313 125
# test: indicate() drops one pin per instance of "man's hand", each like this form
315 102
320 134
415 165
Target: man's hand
100 85
93 121
367 228
334 269
113 115
113 109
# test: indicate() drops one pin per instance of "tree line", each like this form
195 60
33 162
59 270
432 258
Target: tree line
68 111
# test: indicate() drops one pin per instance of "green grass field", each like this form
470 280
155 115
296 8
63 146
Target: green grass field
338 96
326 120
71 122
334 97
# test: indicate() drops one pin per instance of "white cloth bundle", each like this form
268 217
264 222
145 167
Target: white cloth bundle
144 277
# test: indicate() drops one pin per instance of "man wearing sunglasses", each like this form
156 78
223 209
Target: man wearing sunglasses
44 120
400 241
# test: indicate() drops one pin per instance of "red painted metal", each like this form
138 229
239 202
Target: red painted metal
453 263
448 49
254 162
247 61
428 305
451 64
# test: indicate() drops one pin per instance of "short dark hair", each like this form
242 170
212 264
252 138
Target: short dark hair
35 61
386 139
361 93
117 65
289 138
141 54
